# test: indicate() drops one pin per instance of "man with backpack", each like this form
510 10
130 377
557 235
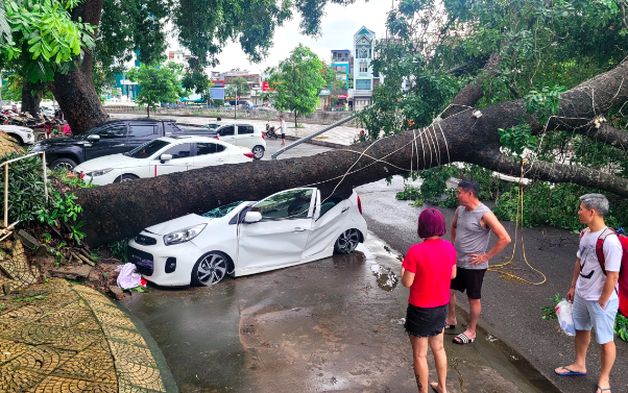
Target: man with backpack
594 289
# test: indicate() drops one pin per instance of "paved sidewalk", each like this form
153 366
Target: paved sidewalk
61 337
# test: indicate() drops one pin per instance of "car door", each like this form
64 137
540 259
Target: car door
111 140
227 134
182 160
280 237
208 153
140 133
330 222
245 135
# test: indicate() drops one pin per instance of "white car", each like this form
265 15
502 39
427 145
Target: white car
240 134
23 135
285 229
160 157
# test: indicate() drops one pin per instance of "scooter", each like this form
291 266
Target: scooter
270 132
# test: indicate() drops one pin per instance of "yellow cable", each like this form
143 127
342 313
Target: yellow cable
519 217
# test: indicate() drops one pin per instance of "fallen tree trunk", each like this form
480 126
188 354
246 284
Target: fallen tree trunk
122 210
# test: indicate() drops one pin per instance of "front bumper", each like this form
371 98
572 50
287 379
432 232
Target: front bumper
151 260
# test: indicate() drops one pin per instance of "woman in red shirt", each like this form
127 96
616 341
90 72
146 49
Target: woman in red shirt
427 270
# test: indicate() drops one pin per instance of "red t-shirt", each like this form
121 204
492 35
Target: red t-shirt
431 262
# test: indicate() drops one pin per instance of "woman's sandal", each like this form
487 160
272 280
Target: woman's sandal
462 339
608 389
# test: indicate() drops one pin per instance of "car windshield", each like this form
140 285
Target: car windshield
211 126
222 211
147 149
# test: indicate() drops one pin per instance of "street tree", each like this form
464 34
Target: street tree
157 84
137 27
298 80
238 87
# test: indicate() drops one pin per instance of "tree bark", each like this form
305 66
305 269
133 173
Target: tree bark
118 211
30 101
75 91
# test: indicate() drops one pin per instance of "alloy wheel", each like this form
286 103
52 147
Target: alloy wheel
348 241
211 269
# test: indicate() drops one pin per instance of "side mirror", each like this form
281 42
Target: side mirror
93 138
165 158
252 217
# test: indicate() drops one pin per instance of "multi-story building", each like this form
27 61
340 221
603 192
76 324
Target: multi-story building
363 50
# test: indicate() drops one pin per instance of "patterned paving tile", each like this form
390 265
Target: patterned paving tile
140 376
132 354
10 350
54 384
125 335
41 359
91 365
18 380
64 317
115 320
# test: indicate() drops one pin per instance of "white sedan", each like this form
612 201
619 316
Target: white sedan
160 157
285 229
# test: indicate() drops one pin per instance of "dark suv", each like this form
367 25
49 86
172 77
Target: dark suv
113 137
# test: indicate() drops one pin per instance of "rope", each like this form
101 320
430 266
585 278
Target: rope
519 219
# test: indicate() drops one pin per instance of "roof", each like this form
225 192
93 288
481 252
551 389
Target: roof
364 30
340 51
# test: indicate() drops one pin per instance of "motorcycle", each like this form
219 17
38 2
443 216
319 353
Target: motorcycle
270 132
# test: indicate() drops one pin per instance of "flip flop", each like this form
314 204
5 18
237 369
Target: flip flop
568 373
462 339
608 389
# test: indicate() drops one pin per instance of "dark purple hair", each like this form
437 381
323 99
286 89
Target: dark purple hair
431 223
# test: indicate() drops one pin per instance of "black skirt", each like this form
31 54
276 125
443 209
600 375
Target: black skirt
425 322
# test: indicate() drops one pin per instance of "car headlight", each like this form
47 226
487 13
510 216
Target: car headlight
183 235
35 148
98 173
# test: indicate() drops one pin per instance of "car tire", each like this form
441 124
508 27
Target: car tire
126 178
347 241
210 269
63 163
258 152
17 138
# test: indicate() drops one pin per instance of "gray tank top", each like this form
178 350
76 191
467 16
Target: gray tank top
471 236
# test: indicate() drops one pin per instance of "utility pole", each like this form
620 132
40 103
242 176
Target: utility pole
236 103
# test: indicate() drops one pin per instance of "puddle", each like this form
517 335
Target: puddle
386 279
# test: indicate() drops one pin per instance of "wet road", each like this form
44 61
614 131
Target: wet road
331 325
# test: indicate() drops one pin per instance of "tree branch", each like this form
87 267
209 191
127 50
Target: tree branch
556 173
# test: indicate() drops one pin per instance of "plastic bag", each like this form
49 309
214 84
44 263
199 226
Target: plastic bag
564 312
127 278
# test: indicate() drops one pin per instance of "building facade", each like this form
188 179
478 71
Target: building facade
363 51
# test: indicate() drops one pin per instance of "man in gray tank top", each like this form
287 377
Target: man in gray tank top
470 233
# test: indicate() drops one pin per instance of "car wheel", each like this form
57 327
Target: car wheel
347 241
210 269
258 152
63 163
126 178
18 139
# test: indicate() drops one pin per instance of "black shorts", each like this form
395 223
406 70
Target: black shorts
470 280
283 136
425 322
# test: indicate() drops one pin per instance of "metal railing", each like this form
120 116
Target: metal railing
316 133
7 230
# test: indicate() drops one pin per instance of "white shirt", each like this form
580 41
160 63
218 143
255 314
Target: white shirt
283 126
591 280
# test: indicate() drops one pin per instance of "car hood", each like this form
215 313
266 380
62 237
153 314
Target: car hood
178 223
110 161
60 142
14 128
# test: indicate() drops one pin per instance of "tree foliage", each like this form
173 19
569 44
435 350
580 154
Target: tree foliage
157 84
456 55
297 81
238 86
43 38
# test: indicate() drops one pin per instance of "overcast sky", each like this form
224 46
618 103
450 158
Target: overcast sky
338 26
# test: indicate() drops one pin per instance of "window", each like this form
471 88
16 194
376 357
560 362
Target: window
364 66
245 129
364 53
140 130
227 131
115 131
286 205
363 84
147 149
180 151
208 148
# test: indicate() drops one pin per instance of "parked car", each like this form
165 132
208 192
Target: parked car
113 137
162 156
288 228
240 134
23 135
